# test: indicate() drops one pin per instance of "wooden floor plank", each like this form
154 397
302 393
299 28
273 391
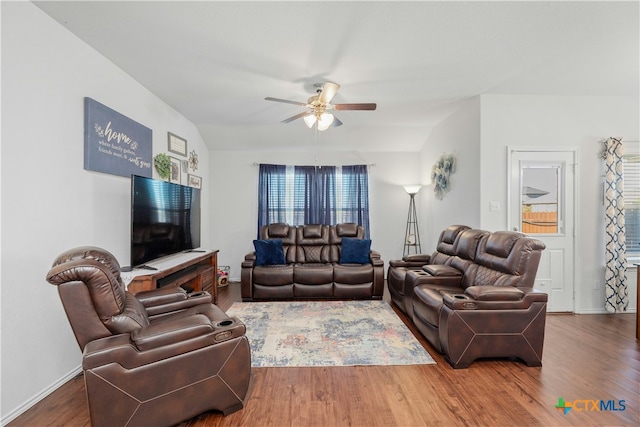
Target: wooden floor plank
593 357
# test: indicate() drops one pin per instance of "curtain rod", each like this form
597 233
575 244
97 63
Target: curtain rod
369 164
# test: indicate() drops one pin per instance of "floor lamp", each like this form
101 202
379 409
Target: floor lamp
412 235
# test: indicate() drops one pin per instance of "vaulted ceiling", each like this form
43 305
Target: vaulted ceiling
215 62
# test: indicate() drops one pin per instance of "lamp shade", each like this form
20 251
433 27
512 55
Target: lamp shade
412 189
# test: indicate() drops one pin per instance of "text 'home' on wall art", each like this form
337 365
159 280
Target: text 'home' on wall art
114 143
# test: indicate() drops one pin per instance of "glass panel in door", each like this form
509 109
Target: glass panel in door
540 209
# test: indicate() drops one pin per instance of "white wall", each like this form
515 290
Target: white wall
49 202
234 178
459 135
554 121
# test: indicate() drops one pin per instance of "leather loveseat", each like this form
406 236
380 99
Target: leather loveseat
314 262
474 296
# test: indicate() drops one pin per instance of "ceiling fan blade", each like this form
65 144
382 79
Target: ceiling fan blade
297 116
329 90
268 98
369 106
336 122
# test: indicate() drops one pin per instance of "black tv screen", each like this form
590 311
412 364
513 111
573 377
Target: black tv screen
165 219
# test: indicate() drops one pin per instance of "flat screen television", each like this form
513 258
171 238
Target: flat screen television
165 219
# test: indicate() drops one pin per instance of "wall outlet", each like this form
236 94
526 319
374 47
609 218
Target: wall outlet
596 285
494 206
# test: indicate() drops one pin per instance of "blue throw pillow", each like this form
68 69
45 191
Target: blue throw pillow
269 252
355 251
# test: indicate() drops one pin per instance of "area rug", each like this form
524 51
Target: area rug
328 333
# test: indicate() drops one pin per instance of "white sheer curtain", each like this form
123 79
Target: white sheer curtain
616 293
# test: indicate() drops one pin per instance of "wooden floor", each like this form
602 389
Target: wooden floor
586 357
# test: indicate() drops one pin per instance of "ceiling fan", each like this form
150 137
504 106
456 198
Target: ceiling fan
319 107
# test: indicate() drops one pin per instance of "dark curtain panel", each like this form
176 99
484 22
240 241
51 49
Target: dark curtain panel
314 200
315 195
355 195
271 195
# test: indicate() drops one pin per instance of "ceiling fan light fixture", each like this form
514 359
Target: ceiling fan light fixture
325 120
318 105
310 120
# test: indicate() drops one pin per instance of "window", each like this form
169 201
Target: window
631 191
299 195
541 198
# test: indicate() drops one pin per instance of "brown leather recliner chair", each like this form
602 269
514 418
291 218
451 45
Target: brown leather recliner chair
157 358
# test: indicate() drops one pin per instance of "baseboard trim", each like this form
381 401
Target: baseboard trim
38 397
603 311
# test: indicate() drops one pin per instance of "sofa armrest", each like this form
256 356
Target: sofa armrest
441 270
193 299
171 332
494 298
121 350
398 263
249 260
420 277
170 299
421 258
161 296
410 261
494 293
377 263
376 260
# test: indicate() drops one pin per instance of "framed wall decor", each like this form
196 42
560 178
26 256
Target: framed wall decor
176 171
176 144
115 144
194 181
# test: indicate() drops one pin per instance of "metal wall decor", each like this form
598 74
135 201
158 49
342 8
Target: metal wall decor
440 173
193 161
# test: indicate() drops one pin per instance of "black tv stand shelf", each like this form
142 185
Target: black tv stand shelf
197 271
179 276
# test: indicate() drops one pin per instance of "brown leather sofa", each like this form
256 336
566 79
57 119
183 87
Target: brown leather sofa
157 358
475 297
313 265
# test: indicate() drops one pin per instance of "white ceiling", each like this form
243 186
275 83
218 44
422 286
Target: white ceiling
215 62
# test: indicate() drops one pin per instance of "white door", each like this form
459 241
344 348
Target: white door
542 205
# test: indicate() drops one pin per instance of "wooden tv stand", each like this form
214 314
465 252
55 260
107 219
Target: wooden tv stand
195 269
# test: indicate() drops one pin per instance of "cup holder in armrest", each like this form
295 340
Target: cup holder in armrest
225 323
228 329
197 294
459 302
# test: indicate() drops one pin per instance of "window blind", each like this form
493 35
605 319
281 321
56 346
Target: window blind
631 192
